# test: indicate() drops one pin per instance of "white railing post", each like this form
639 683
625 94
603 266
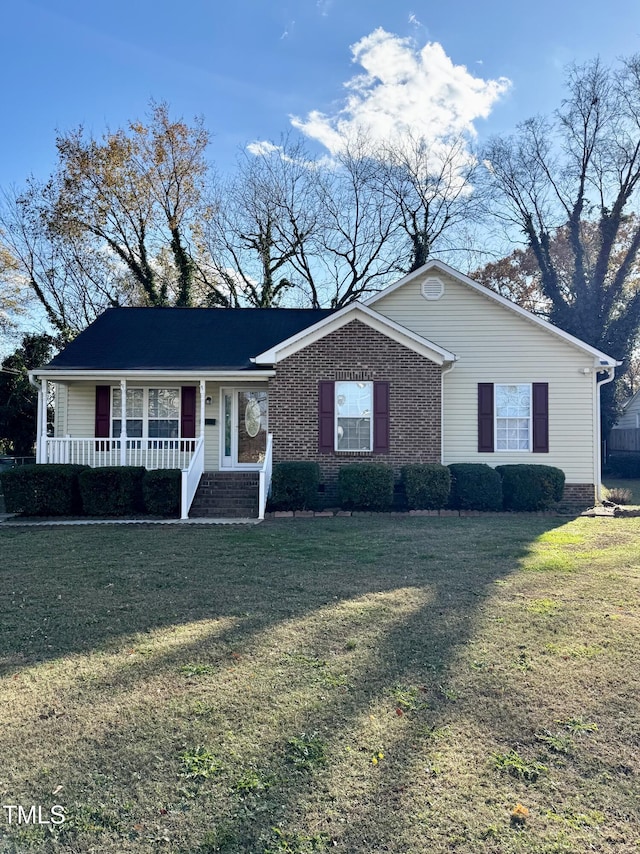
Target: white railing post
123 422
191 478
264 488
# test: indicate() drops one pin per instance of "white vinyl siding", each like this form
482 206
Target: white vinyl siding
494 344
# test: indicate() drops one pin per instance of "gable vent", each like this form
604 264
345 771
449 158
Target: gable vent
432 288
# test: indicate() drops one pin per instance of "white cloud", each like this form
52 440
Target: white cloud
404 89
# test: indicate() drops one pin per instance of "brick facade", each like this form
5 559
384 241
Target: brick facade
579 495
356 352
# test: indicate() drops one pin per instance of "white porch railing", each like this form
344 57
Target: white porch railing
265 477
191 478
150 453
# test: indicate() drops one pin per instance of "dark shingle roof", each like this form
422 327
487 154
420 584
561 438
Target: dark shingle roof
182 338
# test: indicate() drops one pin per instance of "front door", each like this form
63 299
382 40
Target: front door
244 428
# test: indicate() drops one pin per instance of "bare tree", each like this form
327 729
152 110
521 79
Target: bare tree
435 193
262 221
578 172
69 278
357 247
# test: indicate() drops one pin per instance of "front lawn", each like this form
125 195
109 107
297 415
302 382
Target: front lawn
363 685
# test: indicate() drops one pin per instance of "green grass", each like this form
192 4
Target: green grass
361 684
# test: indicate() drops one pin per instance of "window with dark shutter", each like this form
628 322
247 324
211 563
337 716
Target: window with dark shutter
485 417
188 412
326 416
381 418
103 411
540 412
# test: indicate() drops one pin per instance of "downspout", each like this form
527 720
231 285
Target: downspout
38 385
611 372
442 373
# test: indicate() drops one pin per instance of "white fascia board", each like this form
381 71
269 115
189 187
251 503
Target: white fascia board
601 360
373 319
112 376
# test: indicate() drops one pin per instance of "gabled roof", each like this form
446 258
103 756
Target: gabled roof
354 311
191 339
601 359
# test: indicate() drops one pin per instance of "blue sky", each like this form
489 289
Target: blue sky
249 66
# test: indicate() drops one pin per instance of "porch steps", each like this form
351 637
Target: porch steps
232 494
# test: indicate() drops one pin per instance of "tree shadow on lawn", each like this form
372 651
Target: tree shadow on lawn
358 632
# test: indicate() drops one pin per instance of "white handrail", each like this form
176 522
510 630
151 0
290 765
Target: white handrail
191 478
265 478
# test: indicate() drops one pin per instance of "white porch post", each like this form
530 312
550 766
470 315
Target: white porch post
45 395
203 387
40 446
123 422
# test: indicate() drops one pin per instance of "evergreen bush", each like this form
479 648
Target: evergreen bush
475 486
161 492
365 486
112 490
42 490
294 486
527 487
427 486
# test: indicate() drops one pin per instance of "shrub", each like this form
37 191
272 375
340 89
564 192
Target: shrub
530 487
365 486
42 490
112 490
475 486
617 494
161 492
427 486
624 465
294 486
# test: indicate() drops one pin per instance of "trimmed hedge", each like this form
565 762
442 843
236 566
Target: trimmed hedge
475 486
365 486
294 486
42 490
527 487
112 490
427 486
161 492
624 465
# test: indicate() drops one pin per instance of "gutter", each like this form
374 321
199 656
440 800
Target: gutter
611 372
442 374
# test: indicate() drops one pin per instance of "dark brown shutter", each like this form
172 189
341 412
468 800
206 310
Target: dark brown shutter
188 413
485 417
381 418
326 416
540 413
103 411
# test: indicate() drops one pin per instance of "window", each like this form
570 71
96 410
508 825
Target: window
513 417
151 412
354 416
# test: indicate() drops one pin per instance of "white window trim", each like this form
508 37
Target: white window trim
498 450
116 416
368 450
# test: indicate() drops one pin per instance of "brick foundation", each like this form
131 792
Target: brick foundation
578 496
356 352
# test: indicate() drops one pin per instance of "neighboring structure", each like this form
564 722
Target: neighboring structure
625 436
434 368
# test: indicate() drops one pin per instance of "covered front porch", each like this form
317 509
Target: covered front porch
209 425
